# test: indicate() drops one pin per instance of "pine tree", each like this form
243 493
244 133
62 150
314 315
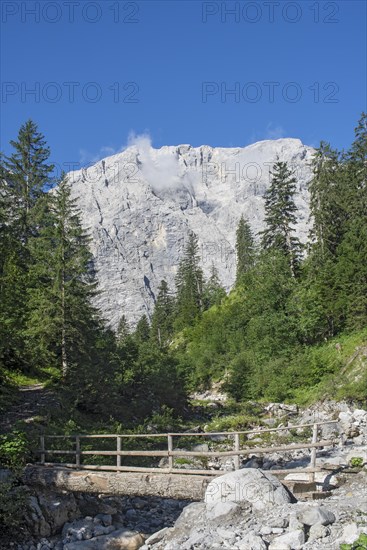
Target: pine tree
61 284
213 291
162 319
142 330
123 330
351 264
280 217
24 176
245 249
28 175
189 285
326 198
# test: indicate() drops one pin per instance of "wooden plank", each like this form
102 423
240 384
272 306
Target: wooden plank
236 448
42 441
118 457
166 471
313 451
77 451
55 452
170 451
245 451
128 469
193 434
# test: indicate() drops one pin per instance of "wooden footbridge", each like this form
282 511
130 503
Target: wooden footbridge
116 473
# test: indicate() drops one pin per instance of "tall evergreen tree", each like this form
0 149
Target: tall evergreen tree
61 283
162 319
213 290
123 330
189 285
28 174
245 249
326 192
280 217
351 264
142 330
24 176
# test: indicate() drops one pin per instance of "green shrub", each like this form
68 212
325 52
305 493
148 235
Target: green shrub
14 449
359 544
356 462
13 505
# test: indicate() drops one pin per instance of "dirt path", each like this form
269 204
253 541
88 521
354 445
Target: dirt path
33 400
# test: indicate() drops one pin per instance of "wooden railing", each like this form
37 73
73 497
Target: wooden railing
170 453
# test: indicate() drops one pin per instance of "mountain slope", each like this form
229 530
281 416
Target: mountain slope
141 204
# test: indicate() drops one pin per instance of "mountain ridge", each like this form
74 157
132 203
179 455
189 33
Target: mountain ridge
140 205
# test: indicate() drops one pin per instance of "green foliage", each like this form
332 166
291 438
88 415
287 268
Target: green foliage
359 544
245 249
14 449
13 506
213 291
189 286
273 337
163 316
280 216
356 462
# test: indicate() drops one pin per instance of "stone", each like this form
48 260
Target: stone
221 510
360 415
293 540
251 542
257 487
122 539
157 537
346 418
278 522
294 523
225 533
5 475
317 531
265 530
350 533
317 515
277 545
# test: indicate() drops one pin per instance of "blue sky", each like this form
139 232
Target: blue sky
102 71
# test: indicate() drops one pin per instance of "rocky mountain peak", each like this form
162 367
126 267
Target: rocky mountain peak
139 206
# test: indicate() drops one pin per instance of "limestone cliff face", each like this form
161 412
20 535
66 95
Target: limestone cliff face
140 205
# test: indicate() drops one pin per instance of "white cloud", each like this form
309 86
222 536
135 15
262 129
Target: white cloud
159 168
161 174
274 132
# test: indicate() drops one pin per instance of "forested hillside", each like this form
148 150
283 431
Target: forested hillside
286 331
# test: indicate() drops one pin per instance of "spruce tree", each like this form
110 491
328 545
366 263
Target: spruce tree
326 198
61 284
162 319
142 330
351 264
213 290
24 177
123 330
28 175
245 249
189 285
280 217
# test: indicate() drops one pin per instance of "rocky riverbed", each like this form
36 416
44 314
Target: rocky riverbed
248 509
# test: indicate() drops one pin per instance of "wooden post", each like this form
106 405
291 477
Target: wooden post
236 447
118 457
170 449
43 455
77 451
313 451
